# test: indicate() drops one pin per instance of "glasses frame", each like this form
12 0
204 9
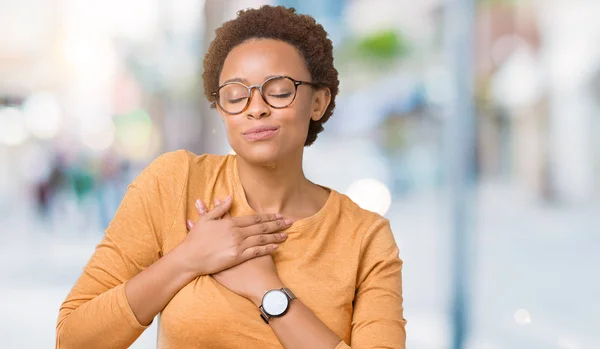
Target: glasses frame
260 90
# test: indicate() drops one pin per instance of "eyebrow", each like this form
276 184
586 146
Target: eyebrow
244 81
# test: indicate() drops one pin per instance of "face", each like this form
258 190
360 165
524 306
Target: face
252 63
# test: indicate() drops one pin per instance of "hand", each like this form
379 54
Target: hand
250 279
215 244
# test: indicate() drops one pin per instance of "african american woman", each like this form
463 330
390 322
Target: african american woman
243 251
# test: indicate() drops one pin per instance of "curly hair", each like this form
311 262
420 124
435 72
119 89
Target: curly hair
280 23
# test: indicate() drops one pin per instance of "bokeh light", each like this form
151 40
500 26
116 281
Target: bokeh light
133 133
13 130
98 136
522 317
370 194
567 342
43 115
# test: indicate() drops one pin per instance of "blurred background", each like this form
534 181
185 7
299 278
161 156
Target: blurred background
472 125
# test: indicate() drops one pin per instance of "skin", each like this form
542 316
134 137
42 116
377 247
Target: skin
271 170
271 173
272 177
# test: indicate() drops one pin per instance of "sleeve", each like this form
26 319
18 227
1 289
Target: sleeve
378 319
96 313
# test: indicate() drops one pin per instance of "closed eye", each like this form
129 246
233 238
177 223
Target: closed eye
281 95
236 100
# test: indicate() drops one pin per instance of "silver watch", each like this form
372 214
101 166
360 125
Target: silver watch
275 303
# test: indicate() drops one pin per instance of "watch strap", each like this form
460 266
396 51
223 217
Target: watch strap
288 293
263 315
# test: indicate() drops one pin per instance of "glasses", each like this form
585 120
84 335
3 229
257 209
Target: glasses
278 92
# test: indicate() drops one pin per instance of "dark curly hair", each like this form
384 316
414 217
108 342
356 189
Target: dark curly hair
280 23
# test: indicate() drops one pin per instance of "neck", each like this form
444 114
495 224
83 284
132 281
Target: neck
274 188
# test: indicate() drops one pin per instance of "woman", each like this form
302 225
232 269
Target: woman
278 260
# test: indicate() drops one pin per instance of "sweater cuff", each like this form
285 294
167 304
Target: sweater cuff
126 310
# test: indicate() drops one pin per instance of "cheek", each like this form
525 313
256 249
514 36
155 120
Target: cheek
302 111
232 130
297 123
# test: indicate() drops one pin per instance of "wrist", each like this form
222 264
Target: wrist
181 263
262 287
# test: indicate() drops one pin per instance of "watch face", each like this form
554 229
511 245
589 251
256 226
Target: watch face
275 302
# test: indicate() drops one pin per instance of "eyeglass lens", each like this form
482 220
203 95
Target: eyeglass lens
278 93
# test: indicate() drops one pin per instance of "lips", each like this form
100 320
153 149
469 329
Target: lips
260 129
260 133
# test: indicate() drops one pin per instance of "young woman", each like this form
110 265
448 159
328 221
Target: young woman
243 251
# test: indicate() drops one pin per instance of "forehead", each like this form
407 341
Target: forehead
256 59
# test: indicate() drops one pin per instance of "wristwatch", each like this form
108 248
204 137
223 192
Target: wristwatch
275 303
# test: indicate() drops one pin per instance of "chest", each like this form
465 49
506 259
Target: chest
205 314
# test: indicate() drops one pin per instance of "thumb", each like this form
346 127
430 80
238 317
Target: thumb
219 210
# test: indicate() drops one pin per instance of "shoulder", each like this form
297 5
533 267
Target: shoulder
168 162
357 215
167 176
164 182
366 225
170 168
174 167
206 162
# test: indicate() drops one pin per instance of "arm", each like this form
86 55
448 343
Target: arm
378 317
97 312
126 283
377 320
299 328
149 291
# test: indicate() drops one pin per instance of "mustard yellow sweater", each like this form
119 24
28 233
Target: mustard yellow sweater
341 262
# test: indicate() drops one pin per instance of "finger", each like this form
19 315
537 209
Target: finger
190 224
219 210
266 227
201 207
218 202
246 221
262 240
257 251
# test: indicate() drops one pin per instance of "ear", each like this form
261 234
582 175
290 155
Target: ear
321 100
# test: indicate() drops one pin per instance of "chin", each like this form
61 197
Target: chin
260 156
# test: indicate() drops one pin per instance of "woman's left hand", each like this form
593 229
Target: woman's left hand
252 278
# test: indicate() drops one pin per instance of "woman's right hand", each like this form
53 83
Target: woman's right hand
214 243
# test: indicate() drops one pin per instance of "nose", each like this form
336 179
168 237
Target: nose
257 107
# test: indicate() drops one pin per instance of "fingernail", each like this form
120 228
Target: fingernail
189 224
288 221
278 215
283 235
199 207
275 247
